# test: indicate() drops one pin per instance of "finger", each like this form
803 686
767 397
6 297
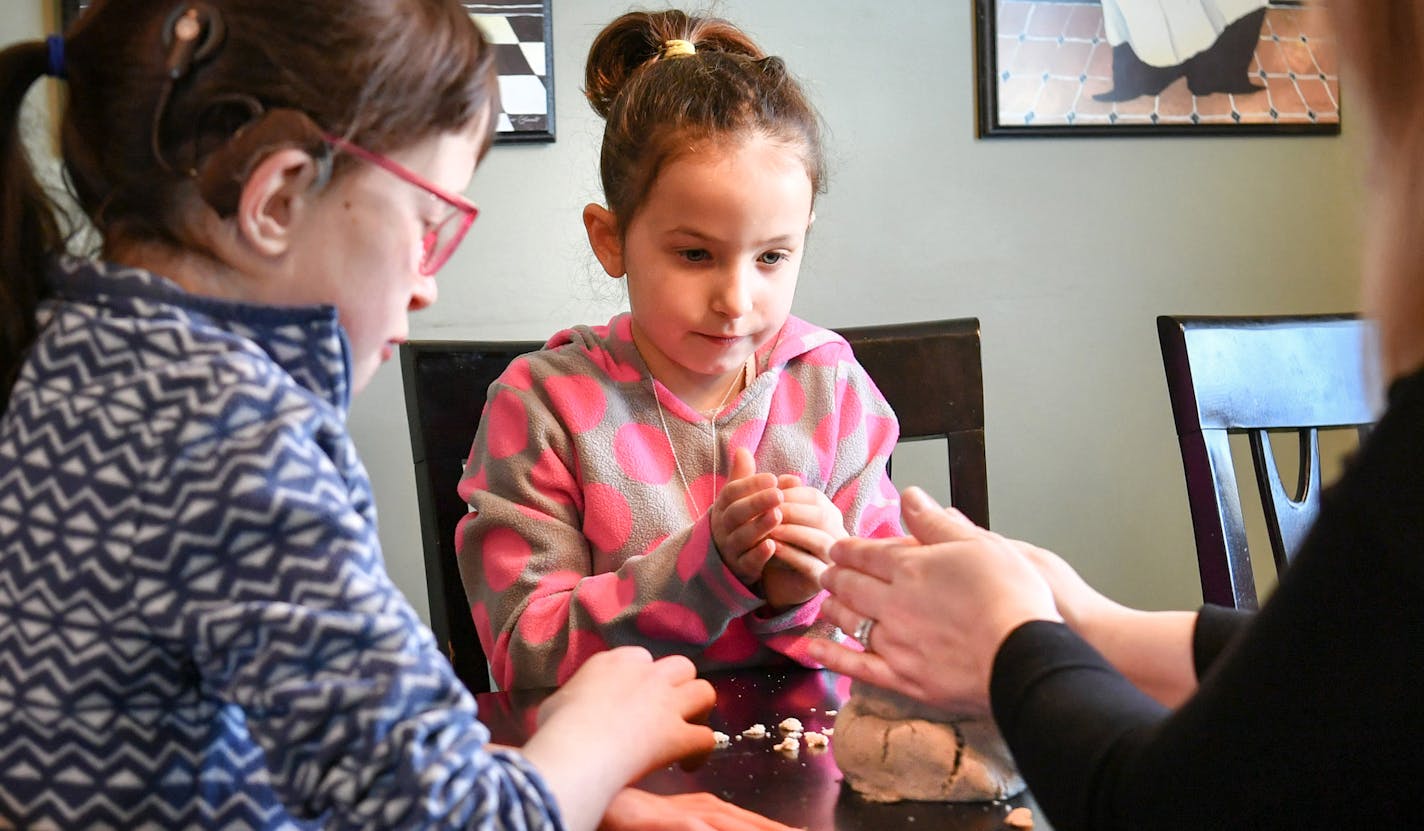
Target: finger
869 596
675 669
878 558
741 509
930 523
747 487
743 464
747 536
823 517
751 562
695 699
812 541
801 562
865 666
788 480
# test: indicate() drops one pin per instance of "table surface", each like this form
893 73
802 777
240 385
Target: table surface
803 790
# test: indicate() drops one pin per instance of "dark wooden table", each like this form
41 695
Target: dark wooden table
802 790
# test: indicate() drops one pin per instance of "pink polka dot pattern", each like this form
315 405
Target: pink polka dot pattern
578 401
695 551
824 441
644 453
583 644
607 518
508 432
603 605
736 645
505 555
788 402
669 621
480 616
880 432
538 626
700 498
746 435
851 412
518 375
552 479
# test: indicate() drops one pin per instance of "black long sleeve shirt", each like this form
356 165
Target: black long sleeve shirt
1309 714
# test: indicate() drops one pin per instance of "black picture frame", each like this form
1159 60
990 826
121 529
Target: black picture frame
523 37
1040 63
522 32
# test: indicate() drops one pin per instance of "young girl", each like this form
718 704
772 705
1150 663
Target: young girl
674 478
196 627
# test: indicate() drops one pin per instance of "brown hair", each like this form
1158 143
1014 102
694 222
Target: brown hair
655 105
1382 48
381 73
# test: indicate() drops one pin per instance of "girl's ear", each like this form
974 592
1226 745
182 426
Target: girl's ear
275 199
603 236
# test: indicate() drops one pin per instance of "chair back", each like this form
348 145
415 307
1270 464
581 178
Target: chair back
1258 375
445 387
930 373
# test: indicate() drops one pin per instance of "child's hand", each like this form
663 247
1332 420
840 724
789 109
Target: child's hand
810 524
743 516
621 715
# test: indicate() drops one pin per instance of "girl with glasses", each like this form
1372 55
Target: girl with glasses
196 625
674 478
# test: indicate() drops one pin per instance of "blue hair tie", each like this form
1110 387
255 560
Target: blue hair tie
55 68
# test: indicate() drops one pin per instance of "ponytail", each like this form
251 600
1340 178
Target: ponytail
29 227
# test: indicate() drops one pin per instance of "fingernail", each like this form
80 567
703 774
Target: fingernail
916 500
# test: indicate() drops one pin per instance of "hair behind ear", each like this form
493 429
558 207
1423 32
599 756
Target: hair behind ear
224 172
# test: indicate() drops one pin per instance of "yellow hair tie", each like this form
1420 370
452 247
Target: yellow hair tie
678 48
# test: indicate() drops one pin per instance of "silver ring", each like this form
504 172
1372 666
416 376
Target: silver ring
862 632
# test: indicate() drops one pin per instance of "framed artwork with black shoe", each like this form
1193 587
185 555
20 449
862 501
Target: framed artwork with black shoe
1154 67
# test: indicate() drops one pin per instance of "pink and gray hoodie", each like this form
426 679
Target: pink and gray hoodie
581 537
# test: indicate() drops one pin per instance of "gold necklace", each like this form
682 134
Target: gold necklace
712 424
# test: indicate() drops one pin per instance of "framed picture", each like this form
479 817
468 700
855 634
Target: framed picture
1147 67
522 34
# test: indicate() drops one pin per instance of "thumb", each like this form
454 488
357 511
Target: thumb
930 523
743 465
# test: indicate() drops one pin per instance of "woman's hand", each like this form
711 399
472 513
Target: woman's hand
635 810
942 601
619 716
743 516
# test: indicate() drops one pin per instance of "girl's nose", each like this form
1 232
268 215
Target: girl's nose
732 296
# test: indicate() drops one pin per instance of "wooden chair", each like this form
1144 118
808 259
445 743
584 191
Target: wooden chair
929 372
445 387
1258 375
932 375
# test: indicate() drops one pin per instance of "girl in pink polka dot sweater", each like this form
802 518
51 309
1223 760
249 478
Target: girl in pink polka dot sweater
675 478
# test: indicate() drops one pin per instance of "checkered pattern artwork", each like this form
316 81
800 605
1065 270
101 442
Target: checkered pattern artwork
520 32
522 36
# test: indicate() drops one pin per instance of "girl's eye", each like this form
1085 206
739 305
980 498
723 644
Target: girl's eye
772 257
695 255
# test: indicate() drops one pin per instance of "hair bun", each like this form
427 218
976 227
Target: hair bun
638 39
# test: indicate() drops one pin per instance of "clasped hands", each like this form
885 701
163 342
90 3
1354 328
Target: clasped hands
776 531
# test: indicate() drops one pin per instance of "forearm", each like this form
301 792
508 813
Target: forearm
1152 649
582 784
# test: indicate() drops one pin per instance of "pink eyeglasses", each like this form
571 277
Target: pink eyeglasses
440 241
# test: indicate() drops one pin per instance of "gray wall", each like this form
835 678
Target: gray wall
1066 249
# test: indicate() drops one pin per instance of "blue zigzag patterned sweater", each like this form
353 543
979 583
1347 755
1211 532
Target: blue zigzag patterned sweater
196 626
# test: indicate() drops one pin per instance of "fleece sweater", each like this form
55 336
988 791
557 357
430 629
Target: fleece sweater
581 535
